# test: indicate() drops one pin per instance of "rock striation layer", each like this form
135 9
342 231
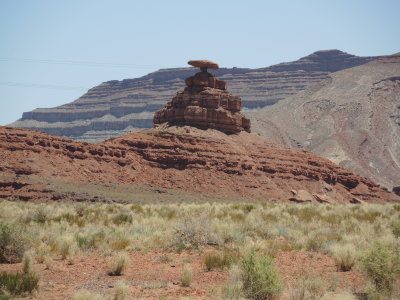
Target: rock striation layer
181 158
204 103
353 119
116 107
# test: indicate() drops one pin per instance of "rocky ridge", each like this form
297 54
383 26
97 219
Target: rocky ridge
179 158
117 107
353 119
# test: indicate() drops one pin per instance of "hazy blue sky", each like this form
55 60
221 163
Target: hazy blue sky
52 51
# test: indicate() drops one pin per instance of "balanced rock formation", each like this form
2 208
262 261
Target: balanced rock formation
116 107
242 166
204 103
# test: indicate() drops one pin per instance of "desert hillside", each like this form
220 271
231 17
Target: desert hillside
352 118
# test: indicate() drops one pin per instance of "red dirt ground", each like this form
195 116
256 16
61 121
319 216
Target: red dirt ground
150 277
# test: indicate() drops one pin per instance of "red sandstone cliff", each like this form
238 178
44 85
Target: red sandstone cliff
182 158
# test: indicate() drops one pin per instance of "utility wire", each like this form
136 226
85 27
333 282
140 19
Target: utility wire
43 86
70 63
82 63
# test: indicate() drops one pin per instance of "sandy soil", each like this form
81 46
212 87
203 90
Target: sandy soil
154 275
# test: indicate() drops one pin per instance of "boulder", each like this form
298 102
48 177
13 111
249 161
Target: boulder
396 190
356 200
301 196
323 198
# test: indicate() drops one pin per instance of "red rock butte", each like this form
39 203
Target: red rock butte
204 103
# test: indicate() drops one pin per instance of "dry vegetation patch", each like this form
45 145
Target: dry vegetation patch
210 240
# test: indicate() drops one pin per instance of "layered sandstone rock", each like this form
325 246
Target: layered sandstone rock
114 108
204 103
181 158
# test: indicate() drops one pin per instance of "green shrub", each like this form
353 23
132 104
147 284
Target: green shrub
12 243
180 247
310 288
396 228
382 266
71 219
260 279
166 212
81 210
196 231
244 207
40 214
119 240
48 262
233 288
122 218
314 244
67 248
213 261
90 240
314 288
137 208
17 284
187 275
320 241
42 252
27 263
118 264
219 260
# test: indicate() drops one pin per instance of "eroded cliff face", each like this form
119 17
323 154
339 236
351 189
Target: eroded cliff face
117 107
353 119
180 158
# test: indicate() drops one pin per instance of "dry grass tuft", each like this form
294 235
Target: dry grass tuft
86 295
121 291
118 264
187 275
345 256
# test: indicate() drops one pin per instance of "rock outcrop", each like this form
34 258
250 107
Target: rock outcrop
353 119
204 103
242 165
115 107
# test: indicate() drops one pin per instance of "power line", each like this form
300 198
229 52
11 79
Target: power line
81 63
43 86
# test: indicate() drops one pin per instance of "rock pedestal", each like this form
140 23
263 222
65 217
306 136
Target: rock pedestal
204 103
